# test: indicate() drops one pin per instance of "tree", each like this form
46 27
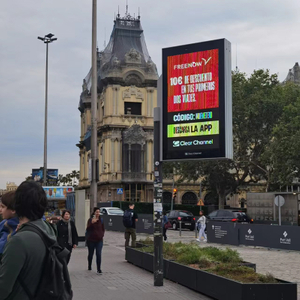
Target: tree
74 175
257 107
283 153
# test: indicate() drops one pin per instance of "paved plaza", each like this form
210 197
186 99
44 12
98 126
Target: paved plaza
121 280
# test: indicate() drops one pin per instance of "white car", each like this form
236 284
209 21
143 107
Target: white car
111 211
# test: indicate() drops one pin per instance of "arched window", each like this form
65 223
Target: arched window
189 198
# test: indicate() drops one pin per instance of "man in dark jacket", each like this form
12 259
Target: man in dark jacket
25 252
129 219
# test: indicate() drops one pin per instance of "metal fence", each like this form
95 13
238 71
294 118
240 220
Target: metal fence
270 236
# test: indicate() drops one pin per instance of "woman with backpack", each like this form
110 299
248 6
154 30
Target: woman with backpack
94 239
67 236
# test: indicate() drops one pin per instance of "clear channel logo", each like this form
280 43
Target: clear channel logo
192 143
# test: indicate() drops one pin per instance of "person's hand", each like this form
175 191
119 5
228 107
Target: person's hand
74 246
18 227
94 221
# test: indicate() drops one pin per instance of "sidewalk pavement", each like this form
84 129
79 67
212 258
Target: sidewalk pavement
120 279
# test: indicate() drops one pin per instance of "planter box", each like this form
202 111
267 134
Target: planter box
181 274
147 262
134 256
215 286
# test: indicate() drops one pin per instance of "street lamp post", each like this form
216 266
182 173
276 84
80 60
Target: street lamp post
47 39
94 95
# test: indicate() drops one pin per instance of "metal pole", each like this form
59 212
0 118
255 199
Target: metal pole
173 186
94 142
200 193
46 121
274 212
279 212
179 228
157 204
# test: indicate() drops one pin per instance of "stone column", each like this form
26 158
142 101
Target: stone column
112 156
129 158
119 155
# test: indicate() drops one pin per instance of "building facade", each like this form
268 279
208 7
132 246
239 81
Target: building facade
293 74
11 186
127 94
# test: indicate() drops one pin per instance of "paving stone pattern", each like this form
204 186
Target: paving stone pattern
120 280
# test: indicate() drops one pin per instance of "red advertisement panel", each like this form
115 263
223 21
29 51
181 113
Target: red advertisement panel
193 81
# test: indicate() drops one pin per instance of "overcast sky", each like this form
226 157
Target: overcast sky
265 34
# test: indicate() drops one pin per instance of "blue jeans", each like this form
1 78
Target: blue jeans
91 247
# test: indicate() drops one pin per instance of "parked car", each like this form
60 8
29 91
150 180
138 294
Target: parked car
229 215
111 211
187 219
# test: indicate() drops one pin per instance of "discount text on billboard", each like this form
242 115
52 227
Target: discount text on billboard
197 101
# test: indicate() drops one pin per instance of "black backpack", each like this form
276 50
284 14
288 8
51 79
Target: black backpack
55 281
127 218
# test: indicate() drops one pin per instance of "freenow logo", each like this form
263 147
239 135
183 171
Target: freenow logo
285 240
193 64
249 236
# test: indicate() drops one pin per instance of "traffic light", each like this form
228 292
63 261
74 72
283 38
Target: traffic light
174 193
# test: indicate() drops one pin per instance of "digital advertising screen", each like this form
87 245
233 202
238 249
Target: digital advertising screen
194 108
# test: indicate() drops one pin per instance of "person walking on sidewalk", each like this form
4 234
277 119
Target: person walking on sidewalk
67 236
201 223
130 218
165 225
94 239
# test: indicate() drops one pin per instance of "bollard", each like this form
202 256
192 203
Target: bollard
179 228
196 232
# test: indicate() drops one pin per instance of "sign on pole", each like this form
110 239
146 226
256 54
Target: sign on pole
197 101
120 191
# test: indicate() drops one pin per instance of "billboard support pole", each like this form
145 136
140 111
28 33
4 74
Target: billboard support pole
157 204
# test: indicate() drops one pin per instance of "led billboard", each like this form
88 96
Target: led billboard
196 101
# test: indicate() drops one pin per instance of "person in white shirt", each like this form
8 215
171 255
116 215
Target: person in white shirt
201 223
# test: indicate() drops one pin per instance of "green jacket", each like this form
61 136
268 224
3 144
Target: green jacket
23 256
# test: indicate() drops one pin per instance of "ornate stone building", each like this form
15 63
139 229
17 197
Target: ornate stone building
127 80
293 74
